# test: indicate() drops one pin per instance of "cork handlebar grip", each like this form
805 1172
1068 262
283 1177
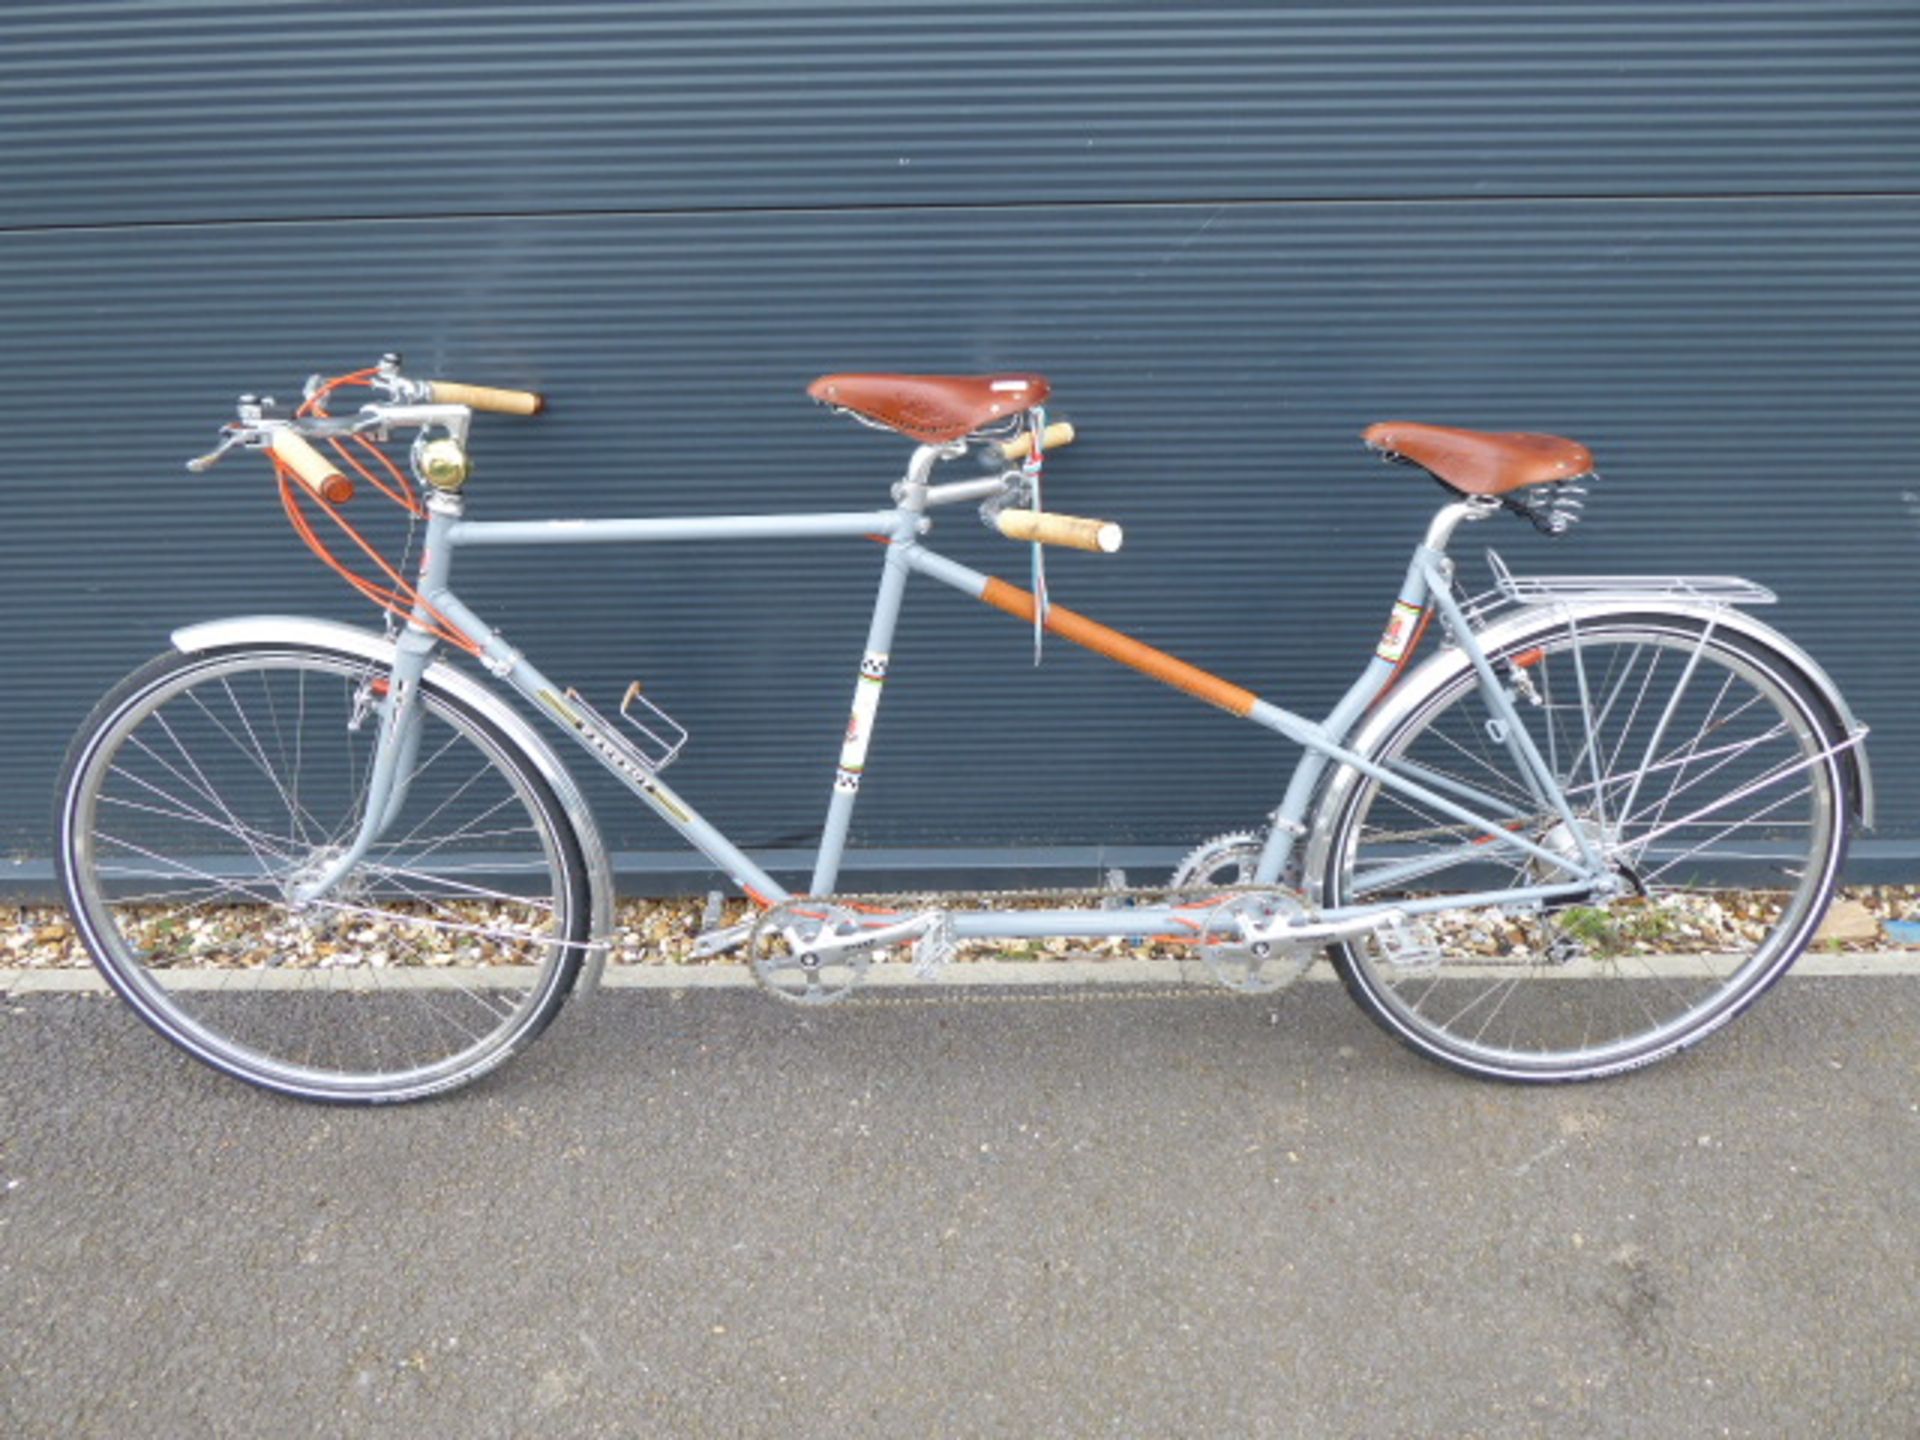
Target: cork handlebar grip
486 397
1056 435
1074 531
315 471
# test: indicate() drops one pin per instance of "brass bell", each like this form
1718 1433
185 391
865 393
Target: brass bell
442 463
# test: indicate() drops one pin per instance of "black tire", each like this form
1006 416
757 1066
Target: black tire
205 785
1742 785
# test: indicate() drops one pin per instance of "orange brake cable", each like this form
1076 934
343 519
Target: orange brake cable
402 599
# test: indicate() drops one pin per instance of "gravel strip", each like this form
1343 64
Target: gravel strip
662 932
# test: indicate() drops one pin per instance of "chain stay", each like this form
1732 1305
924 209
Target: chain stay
1252 914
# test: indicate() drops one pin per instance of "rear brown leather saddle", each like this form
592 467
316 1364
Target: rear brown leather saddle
1478 463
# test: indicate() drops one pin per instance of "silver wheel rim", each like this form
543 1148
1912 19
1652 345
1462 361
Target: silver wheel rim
1616 997
417 974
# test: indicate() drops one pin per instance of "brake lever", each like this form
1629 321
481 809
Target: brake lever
258 417
246 429
400 389
232 439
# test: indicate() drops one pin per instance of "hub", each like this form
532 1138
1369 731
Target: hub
1603 839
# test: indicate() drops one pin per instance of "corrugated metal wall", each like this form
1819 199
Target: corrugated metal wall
1232 235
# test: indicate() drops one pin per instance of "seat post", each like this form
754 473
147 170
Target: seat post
910 491
920 467
1452 515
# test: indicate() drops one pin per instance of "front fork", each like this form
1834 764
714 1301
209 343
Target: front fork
391 772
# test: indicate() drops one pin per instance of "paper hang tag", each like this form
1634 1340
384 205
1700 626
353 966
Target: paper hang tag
1039 602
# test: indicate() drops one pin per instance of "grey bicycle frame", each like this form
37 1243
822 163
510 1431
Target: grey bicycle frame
1427 581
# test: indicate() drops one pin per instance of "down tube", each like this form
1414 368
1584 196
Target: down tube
510 665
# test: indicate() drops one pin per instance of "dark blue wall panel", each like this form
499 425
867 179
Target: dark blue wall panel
1685 235
141 111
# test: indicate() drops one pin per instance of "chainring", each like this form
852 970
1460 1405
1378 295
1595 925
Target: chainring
799 952
1221 863
1237 954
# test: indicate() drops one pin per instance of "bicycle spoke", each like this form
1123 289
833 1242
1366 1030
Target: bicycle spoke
282 765
179 810
451 836
1728 830
1728 755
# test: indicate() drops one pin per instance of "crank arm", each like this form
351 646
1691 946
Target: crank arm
1316 933
729 937
912 928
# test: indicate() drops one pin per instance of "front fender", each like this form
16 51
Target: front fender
331 635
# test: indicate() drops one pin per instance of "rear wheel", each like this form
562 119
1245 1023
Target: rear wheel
1698 763
205 790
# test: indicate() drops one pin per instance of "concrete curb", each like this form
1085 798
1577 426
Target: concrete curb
966 975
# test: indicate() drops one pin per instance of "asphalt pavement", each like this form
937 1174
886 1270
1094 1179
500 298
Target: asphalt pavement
1051 1213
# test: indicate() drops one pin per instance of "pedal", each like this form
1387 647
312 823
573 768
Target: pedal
1407 944
935 947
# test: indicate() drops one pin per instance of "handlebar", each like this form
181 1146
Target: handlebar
319 474
486 397
1076 532
423 404
1055 436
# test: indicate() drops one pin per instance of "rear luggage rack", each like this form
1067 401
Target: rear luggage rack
1569 589
1538 591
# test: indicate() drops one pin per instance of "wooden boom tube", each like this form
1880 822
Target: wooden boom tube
1056 436
1051 528
1070 625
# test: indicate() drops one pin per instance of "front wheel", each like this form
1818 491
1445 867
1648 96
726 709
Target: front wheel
204 795
1698 763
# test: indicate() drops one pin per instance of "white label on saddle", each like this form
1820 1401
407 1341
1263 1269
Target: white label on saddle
866 701
1399 633
1018 387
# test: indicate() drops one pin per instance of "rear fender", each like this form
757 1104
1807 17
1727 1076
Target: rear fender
1513 629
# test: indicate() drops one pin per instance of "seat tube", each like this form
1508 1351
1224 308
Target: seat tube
1383 667
866 708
